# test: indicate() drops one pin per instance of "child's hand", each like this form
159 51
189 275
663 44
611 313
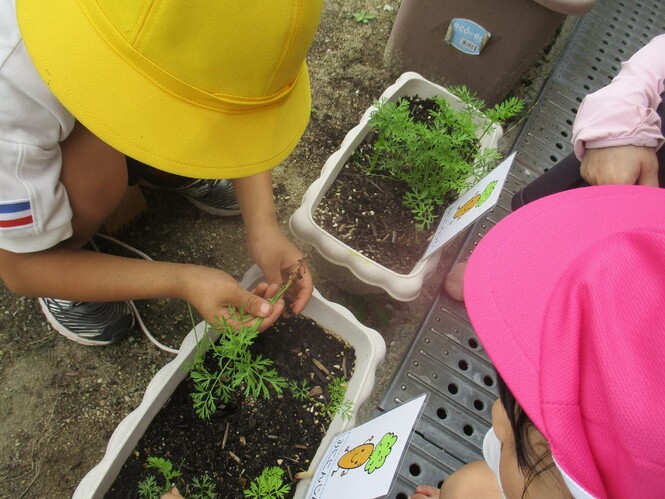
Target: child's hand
174 494
454 283
271 250
424 492
620 165
212 291
276 256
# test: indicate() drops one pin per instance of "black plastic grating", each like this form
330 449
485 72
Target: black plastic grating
445 359
608 35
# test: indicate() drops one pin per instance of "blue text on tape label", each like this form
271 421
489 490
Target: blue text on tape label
467 36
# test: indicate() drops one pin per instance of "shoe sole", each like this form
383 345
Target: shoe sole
211 210
73 336
220 212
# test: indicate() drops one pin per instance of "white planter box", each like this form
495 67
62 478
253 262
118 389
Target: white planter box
369 350
403 287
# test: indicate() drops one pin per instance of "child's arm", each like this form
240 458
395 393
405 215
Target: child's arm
624 114
270 249
80 275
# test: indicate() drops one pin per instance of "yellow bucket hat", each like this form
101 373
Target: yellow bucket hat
203 88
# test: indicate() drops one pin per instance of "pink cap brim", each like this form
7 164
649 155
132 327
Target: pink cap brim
514 271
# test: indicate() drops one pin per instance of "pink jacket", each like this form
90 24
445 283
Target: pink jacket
624 112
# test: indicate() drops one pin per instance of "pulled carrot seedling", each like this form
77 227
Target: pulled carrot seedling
235 366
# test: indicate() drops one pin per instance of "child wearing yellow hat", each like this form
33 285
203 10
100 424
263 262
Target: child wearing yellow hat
216 89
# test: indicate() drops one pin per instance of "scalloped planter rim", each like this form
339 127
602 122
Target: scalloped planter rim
403 287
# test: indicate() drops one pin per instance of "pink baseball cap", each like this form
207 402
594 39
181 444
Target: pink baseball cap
567 296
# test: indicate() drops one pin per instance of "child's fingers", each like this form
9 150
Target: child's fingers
272 289
172 495
300 301
454 283
260 289
278 309
252 304
426 492
267 289
304 288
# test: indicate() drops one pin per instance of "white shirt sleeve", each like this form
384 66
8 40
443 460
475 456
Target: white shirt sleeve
34 208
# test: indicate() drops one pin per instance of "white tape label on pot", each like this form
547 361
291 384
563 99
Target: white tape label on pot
467 36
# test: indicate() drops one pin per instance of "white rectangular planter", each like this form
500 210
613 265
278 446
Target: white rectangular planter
369 350
403 287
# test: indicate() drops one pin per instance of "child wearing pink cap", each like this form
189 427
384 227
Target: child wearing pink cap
566 295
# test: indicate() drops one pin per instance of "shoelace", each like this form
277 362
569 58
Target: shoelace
135 311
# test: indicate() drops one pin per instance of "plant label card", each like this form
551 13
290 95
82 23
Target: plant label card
470 206
362 462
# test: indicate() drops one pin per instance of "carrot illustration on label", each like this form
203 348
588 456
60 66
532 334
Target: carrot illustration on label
476 200
368 454
466 206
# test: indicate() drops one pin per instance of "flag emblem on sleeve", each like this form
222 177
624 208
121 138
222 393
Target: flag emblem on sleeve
15 214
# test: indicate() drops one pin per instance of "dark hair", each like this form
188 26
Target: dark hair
530 462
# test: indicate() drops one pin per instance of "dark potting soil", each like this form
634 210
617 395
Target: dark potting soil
366 212
280 431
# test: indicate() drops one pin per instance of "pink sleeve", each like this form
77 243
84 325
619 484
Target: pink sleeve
624 112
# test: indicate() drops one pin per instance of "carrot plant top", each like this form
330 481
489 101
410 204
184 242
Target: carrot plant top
433 147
